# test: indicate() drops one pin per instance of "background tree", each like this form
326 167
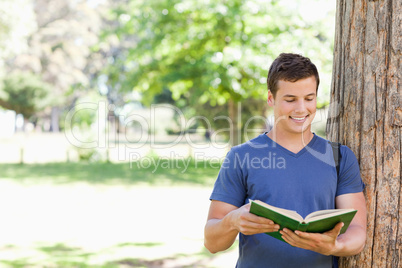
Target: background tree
60 50
367 116
25 93
209 54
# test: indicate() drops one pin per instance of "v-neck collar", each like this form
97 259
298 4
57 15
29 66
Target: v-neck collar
296 155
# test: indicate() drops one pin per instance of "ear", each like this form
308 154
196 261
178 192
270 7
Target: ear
271 99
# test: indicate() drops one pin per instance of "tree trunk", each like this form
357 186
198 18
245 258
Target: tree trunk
366 115
235 117
54 119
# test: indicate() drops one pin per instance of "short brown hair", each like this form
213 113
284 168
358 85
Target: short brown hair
290 67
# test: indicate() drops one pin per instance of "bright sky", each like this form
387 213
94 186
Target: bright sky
315 9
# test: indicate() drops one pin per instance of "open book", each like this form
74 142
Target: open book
316 222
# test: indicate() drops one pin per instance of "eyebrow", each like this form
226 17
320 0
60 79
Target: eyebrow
293 96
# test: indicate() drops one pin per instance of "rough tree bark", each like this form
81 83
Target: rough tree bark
366 115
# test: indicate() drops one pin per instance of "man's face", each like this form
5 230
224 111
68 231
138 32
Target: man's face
294 105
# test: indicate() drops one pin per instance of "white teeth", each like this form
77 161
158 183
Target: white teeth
298 118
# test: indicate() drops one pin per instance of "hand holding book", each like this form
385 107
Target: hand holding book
323 243
249 224
316 222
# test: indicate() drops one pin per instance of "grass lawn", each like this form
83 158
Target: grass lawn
149 172
145 214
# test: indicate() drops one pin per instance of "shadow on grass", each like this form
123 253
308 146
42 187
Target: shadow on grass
64 256
169 172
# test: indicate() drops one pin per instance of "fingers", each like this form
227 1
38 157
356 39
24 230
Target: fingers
257 219
249 224
263 224
322 243
251 229
310 241
290 237
333 233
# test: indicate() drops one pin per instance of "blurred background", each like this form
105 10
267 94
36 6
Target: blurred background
116 114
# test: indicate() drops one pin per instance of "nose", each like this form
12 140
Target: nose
300 106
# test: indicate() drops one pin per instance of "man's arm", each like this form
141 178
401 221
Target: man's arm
225 221
353 240
329 243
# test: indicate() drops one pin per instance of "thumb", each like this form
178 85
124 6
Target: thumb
336 230
338 227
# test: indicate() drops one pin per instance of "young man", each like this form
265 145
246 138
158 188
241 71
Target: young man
288 167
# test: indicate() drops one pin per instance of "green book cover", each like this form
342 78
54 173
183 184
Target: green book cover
316 222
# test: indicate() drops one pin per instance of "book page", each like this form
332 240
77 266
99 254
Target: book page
289 213
322 214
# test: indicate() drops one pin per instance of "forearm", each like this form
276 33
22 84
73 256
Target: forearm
226 221
352 242
219 234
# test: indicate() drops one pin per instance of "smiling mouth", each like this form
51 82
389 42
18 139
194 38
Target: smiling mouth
299 118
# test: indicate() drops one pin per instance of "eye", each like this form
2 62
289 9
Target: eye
309 99
290 100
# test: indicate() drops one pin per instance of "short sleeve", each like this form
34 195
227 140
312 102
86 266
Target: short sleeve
349 173
230 185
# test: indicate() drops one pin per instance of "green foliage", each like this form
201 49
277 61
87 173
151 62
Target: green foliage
84 112
198 50
208 51
24 93
87 154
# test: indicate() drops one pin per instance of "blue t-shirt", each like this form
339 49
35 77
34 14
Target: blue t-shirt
305 182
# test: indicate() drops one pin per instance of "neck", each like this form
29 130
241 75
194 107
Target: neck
294 142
